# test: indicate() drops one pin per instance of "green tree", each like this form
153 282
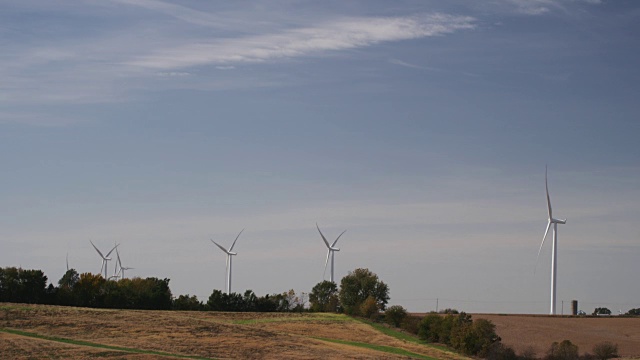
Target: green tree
23 286
186 302
357 286
601 311
88 290
369 308
394 315
605 350
634 312
69 279
324 297
481 337
565 350
430 328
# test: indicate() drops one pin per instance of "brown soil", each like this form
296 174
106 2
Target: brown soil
206 334
539 332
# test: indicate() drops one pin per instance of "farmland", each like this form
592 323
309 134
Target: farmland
539 331
36 331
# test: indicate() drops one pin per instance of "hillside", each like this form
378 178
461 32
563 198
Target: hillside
36 331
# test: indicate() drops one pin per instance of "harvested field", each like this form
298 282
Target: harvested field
39 331
539 331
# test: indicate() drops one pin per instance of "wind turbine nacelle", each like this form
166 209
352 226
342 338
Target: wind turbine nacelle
232 253
335 249
560 221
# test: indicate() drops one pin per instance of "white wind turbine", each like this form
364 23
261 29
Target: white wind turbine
104 258
554 246
120 273
229 253
330 252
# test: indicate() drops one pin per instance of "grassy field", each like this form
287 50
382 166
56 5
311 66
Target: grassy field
39 331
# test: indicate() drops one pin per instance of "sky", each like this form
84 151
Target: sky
421 127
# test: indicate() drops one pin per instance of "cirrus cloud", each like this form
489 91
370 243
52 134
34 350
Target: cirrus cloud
343 34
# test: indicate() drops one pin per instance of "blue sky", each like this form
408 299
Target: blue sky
421 127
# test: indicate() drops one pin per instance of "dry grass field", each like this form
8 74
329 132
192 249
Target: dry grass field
39 331
521 331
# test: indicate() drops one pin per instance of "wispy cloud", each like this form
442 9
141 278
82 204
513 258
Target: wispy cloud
532 7
428 68
37 119
539 7
344 34
180 12
412 66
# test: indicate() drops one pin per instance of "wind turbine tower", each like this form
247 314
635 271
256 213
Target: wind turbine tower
230 255
554 247
331 249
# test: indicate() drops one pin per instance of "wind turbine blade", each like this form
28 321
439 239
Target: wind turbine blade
543 239
102 256
118 255
335 242
109 253
220 246
546 186
325 263
234 241
323 238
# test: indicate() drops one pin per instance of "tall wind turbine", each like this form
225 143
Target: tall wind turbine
229 253
554 247
120 273
331 251
104 258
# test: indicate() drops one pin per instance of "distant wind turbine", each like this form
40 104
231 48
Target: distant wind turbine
67 261
104 258
120 273
229 253
554 246
331 249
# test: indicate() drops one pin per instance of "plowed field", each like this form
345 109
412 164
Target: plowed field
538 332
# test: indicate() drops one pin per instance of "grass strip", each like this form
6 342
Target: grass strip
400 335
322 317
382 348
96 345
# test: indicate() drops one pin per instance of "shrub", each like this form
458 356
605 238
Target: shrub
395 315
429 328
528 354
565 350
449 311
411 324
499 351
605 350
